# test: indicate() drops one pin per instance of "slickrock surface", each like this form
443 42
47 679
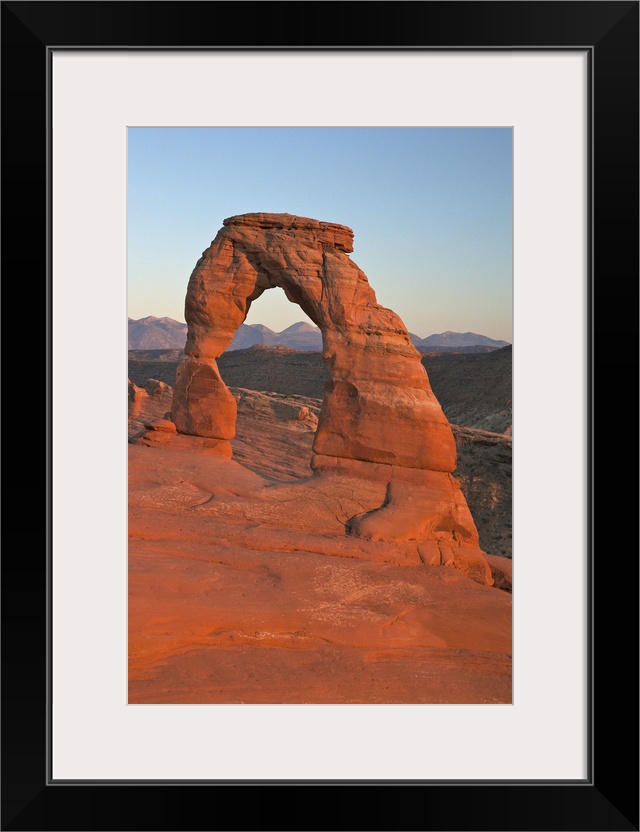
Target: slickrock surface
243 589
244 585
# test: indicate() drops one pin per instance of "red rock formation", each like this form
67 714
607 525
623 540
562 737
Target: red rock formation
379 412
378 407
245 591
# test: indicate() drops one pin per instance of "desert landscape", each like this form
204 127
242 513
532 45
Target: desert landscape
313 526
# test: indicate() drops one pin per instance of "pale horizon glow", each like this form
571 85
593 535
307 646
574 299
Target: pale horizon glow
431 211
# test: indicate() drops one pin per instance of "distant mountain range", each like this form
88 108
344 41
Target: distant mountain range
300 336
156 334
460 339
164 334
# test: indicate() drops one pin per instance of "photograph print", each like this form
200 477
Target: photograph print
320 494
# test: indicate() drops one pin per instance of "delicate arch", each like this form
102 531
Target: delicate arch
378 404
379 420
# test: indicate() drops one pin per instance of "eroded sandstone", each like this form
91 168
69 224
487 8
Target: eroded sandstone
378 405
244 585
379 419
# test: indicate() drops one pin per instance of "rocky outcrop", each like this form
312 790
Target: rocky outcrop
149 408
379 417
134 397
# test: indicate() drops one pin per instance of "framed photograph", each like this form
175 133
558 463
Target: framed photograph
563 79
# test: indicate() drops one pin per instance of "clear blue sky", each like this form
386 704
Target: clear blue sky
431 210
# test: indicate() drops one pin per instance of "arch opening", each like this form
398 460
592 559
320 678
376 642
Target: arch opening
276 374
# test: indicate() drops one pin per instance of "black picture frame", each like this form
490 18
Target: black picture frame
608 798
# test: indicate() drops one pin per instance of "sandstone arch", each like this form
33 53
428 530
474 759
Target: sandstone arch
378 407
379 416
